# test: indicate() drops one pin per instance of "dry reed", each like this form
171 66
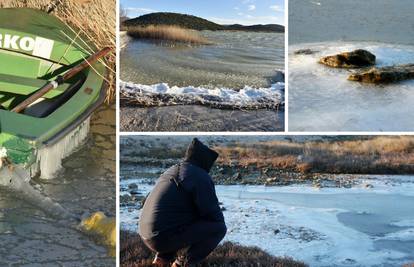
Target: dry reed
167 33
94 19
378 155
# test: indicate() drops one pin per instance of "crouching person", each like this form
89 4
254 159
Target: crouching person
182 211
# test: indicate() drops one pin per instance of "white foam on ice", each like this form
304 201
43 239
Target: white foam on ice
248 96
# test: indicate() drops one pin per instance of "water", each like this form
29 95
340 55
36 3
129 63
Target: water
33 230
359 226
193 74
320 98
352 20
236 59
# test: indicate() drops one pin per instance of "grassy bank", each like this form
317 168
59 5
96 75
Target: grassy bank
348 155
378 155
167 33
94 19
135 254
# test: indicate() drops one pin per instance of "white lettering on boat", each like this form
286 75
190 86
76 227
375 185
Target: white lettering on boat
39 46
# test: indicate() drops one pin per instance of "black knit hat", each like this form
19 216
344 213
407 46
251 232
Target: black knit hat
200 155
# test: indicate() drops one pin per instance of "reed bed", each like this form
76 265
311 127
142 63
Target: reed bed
93 19
167 33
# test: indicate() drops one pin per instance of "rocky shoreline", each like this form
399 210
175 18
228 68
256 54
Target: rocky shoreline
131 196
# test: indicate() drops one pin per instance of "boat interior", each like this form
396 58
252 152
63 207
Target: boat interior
22 75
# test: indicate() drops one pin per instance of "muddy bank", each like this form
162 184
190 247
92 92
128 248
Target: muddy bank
199 118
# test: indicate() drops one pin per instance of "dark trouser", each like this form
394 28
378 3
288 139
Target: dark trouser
200 238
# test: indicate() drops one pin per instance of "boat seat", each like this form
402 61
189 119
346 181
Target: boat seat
27 86
47 106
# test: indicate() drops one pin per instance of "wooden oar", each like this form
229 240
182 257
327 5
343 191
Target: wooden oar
61 79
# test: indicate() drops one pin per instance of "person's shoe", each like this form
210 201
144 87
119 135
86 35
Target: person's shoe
158 262
178 263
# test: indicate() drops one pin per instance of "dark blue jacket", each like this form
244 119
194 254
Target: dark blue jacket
182 195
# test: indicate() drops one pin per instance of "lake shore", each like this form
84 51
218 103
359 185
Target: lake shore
198 118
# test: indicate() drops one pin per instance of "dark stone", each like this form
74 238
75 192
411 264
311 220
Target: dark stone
237 176
384 75
134 192
355 59
304 52
133 186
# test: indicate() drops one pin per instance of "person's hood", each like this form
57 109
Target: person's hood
200 155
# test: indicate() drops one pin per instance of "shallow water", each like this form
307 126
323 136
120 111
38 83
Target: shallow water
31 236
322 99
359 226
236 59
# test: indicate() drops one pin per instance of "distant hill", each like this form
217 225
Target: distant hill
256 28
195 23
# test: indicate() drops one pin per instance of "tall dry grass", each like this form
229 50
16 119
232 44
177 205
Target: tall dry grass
94 19
167 33
378 155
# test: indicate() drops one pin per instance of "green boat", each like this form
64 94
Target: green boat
37 48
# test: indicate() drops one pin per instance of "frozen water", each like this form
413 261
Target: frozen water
49 158
322 99
359 226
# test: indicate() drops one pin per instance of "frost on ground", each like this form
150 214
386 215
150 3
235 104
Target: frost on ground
164 95
358 226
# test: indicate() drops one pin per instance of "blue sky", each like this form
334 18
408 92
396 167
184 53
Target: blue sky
245 12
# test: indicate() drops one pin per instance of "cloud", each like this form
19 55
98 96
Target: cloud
247 1
249 20
140 10
236 8
251 7
277 8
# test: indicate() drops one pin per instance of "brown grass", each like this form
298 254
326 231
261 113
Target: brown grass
95 19
135 254
378 155
167 33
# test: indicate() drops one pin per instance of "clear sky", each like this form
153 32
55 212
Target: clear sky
245 12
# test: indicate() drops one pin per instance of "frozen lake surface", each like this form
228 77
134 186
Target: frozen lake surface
322 99
371 224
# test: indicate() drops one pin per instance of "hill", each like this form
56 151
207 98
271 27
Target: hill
195 23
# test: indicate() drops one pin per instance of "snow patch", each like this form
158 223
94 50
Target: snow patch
247 97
